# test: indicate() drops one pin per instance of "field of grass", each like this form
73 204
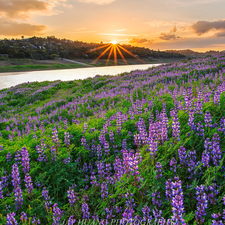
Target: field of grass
145 147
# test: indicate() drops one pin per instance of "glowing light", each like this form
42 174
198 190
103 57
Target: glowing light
114 42
113 49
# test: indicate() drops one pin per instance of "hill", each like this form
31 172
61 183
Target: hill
141 146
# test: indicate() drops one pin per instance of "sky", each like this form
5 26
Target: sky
198 25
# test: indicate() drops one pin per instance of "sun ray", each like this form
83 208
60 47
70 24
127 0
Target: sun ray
102 54
110 53
98 48
115 55
121 55
131 53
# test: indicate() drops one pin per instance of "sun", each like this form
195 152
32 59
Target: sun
114 42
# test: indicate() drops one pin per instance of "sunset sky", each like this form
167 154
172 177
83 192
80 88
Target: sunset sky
157 24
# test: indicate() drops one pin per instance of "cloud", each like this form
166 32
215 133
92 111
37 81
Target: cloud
168 36
22 9
173 30
99 2
161 23
202 27
219 34
139 41
14 28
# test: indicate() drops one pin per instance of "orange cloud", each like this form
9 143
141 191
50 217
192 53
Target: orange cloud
202 27
14 28
169 36
99 2
140 40
24 8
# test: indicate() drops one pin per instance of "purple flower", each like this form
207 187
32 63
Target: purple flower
104 190
72 196
28 183
57 214
71 220
46 198
85 210
11 219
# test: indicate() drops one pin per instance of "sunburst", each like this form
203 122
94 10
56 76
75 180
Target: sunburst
113 47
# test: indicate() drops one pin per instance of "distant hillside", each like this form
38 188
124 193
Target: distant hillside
190 53
51 47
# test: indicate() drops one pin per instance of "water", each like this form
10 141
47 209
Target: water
13 78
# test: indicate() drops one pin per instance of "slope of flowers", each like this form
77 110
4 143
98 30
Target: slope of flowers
140 147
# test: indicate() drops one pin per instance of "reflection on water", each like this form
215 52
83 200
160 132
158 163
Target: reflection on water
11 79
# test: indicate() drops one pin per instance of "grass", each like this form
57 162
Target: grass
17 68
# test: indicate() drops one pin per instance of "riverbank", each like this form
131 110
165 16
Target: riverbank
23 65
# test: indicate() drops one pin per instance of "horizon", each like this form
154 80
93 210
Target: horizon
91 42
164 24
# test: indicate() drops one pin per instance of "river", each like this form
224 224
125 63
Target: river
13 78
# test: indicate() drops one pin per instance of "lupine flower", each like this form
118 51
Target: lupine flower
146 217
158 170
1 148
15 176
57 214
55 137
202 204
71 220
72 196
8 157
104 190
216 153
11 219
175 125
35 221
208 119
173 166
53 153
18 197
177 202
67 138
46 198
191 119
217 221
23 217
25 160
28 183
85 210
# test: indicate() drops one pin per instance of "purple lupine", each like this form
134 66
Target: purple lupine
23 217
25 160
67 138
72 196
205 159
128 212
71 220
177 202
191 119
40 150
53 153
104 190
202 204
212 191
15 176
109 213
99 152
146 217
1 191
8 157
200 130
157 202
18 197
1 148
175 125
46 198
169 190
153 147
57 214
217 98
182 153
216 152
11 219
67 160
55 137
111 136
35 221
83 141
208 119
106 148
217 221
28 183
173 166
158 170
85 210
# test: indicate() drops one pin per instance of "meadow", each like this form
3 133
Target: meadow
142 147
